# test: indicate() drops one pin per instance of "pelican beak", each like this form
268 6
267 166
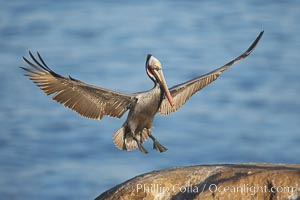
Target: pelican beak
160 76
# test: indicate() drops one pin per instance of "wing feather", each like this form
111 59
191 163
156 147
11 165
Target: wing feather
182 92
87 100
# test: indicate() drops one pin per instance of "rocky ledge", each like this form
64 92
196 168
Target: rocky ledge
224 181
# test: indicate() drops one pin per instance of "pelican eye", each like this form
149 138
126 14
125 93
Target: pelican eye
156 68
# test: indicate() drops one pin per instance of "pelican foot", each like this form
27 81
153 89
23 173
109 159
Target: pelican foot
141 148
159 147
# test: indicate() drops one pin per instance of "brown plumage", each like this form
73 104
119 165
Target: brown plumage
95 102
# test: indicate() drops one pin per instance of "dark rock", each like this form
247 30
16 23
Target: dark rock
226 181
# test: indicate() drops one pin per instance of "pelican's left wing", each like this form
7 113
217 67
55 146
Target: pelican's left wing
87 100
182 92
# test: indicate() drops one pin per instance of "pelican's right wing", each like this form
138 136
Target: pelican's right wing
182 92
87 100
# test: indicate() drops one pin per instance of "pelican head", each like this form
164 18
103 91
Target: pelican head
155 73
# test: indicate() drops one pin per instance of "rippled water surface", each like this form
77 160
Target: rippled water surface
250 114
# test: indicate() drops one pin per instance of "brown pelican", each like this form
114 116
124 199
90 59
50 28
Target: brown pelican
95 102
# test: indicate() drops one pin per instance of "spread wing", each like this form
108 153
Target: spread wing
182 92
87 100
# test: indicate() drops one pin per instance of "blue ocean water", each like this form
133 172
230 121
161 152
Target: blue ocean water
250 114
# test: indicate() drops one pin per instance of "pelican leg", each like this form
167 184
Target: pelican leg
156 145
141 135
124 142
142 149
